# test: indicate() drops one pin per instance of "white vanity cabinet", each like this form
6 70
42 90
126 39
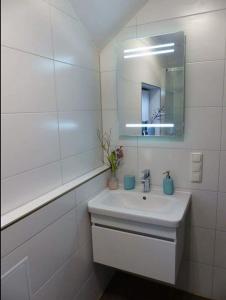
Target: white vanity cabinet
154 252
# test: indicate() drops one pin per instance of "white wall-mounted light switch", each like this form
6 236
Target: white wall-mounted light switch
196 157
196 166
196 177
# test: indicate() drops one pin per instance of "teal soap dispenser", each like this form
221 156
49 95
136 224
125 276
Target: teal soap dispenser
168 185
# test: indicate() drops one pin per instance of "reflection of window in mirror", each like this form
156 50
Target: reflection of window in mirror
151 109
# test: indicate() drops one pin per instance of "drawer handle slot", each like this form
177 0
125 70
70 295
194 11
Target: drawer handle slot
135 232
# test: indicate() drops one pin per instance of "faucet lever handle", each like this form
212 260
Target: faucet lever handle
146 173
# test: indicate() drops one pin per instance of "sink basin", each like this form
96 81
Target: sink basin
153 208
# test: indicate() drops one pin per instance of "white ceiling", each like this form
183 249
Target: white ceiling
104 18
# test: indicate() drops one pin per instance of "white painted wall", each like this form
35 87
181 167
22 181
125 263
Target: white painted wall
50 99
204 23
48 255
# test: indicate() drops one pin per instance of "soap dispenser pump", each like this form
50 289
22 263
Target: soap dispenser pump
168 185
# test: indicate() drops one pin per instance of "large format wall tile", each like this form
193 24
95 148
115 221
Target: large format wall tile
108 90
161 10
220 249
26 25
222 177
223 134
203 208
221 211
196 278
29 141
224 99
219 287
71 42
78 165
42 263
24 187
78 131
14 236
200 76
77 88
27 82
200 245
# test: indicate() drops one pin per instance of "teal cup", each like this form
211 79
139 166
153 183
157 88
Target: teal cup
129 182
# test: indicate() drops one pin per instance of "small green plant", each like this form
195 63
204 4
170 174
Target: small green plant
113 156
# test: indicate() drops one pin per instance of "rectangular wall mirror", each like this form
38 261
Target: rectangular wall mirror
150 86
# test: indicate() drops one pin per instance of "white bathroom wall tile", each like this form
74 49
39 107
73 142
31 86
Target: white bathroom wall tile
14 236
178 161
91 188
22 188
86 265
89 290
71 42
162 10
64 5
42 263
223 135
221 211
64 284
27 82
84 225
110 122
77 88
202 128
17 278
26 26
198 77
78 131
103 276
108 57
29 141
224 99
129 164
220 249
203 208
80 164
222 177
219 286
196 278
200 245
203 33
108 90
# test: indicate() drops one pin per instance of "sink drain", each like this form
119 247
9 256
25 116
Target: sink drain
144 198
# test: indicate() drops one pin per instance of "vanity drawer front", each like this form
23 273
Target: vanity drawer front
146 256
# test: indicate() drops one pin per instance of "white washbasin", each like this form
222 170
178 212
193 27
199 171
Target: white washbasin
157 208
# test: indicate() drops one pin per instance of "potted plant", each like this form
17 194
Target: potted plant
112 157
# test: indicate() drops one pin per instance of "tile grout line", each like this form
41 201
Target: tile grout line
56 96
183 16
49 58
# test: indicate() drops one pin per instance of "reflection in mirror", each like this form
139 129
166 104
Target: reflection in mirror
150 86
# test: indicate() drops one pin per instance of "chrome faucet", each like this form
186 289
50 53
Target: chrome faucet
146 180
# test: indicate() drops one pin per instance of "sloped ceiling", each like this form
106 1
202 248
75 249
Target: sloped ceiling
104 18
